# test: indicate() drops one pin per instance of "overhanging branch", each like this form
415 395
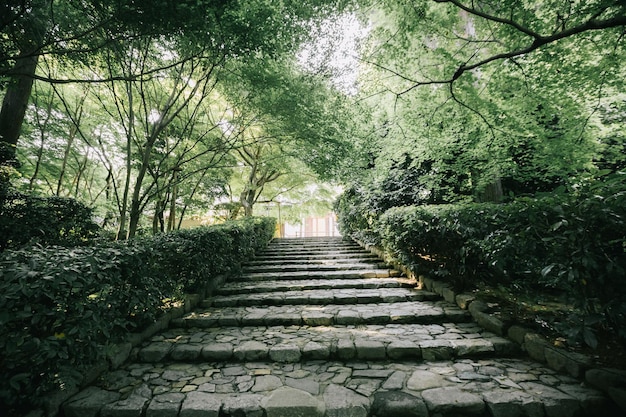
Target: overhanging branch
594 23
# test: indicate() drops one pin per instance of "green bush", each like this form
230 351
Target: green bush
194 254
27 219
435 240
570 243
356 216
61 307
574 245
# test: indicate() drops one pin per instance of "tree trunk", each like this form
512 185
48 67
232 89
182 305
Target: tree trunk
121 231
66 155
14 106
80 172
247 202
107 195
133 218
171 222
135 203
193 193
158 221
43 126
33 178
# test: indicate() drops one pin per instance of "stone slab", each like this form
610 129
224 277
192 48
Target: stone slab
285 353
397 403
89 402
422 380
453 401
291 402
343 402
201 404
244 405
165 405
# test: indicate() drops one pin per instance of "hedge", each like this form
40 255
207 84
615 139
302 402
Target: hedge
61 307
28 219
570 243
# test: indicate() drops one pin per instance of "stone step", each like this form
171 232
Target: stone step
280 268
310 252
307 242
295 343
245 287
337 343
314 245
321 297
304 260
311 240
426 312
357 257
316 275
466 387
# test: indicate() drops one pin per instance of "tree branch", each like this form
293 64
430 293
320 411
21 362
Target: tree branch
497 19
592 24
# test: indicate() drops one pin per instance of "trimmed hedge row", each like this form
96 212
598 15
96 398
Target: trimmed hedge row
61 307
574 244
550 242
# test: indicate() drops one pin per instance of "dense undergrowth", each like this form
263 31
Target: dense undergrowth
62 307
569 244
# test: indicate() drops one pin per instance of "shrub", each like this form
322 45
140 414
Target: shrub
437 240
356 216
194 254
572 243
27 219
61 307
575 245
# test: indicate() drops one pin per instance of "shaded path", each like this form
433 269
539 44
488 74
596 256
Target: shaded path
318 327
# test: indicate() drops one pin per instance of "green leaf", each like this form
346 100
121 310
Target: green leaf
546 270
590 338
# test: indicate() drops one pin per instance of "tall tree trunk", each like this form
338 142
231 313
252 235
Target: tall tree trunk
171 222
42 127
14 106
66 155
493 192
135 203
80 172
247 199
193 193
107 196
121 231
158 223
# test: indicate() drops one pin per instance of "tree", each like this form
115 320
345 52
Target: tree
301 111
493 31
262 169
79 31
286 119
523 112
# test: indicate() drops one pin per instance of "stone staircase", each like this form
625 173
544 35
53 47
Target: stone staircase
319 327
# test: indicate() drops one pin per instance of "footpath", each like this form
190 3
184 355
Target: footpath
319 327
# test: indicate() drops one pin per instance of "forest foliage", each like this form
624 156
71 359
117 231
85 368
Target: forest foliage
149 111
154 112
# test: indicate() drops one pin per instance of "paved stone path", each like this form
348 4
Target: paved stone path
318 327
